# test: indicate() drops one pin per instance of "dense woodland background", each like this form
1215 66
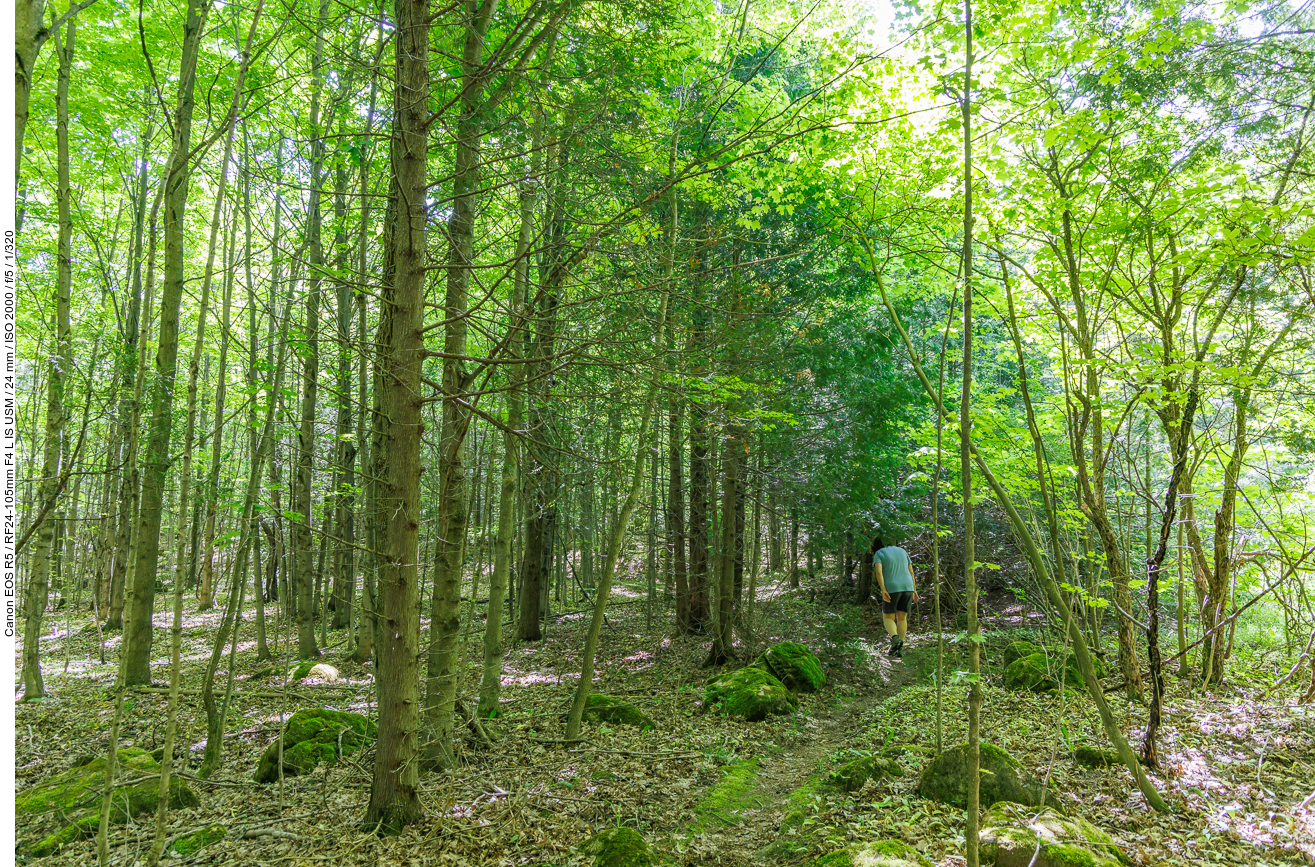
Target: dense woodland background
429 338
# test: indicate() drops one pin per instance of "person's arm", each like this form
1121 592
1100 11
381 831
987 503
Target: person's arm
914 580
881 580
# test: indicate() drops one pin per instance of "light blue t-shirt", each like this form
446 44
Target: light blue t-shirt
895 568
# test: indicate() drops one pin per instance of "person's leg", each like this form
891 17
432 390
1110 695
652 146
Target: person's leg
890 622
901 624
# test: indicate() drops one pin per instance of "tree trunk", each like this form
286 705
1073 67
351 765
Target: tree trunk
491 679
128 366
344 541
394 793
542 479
965 465
442 676
722 650
141 606
61 360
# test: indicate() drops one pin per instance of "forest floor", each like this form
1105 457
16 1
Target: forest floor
703 789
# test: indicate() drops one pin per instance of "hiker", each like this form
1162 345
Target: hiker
894 573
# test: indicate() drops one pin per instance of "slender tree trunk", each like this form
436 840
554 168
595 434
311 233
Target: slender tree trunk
61 360
616 537
210 490
137 632
543 480
676 512
722 650
215 720
344 542
394 793
302 543
966 467
185 476
444 624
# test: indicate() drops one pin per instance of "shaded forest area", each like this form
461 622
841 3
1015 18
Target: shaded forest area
458 433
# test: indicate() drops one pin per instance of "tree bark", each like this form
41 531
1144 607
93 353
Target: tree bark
303 548
141 606
444 622
394 793
61 360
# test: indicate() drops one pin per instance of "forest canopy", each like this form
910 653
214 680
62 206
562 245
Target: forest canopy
417 337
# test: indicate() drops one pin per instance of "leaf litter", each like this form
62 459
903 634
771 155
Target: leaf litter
1236 769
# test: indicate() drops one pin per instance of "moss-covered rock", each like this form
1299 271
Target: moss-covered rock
198 840
1017 650
75 795
301 669
1003 779
314 736
620 847
1094 757
794 665
1041 672
852 775
750 693
882 853
602 708
1014 836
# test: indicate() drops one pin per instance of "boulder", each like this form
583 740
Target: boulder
1041 672
1015 836
794 665
602 708
852 775
883 853
75 795
309 668
750 693
314 736
1003 779
1094 757
620 847
1016 650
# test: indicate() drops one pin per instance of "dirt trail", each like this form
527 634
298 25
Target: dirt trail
831 723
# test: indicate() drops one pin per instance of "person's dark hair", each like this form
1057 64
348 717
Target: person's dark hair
877 544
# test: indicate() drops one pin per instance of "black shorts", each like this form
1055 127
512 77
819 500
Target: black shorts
899 601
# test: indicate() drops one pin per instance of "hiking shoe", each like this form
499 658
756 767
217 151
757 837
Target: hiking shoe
896 646
898 652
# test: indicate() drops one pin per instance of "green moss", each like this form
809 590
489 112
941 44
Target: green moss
314 736
602 708
1093 757
794 665
882 853
1018 650
750 693
736 792
301 669
198 840
852 775
75 795
802 801
619 847
1012 836
945 779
